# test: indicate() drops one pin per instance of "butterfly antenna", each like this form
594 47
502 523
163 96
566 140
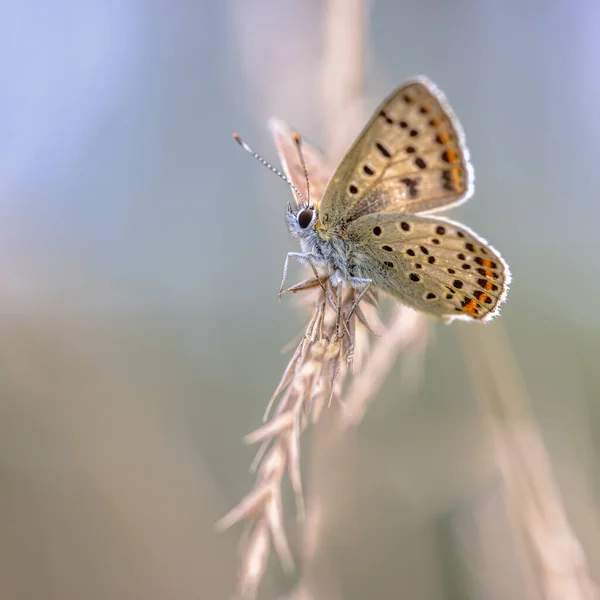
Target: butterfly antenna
297 141
269 166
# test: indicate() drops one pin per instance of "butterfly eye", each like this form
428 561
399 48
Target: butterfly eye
305 217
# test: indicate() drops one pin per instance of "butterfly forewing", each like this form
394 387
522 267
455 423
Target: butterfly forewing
319 171
432 264
410 158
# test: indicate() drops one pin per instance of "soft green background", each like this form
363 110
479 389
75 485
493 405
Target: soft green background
140 258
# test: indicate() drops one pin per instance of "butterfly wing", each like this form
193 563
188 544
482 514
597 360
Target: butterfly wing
410 158
432 264
319 171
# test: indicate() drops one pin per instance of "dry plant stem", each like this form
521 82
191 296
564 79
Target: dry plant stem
335 343
553 562
314 375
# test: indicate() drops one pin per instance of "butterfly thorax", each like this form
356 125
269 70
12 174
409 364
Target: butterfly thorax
328 248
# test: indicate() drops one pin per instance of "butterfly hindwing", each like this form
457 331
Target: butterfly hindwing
432 264
410 158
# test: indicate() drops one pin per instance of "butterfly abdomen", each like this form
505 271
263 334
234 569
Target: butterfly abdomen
334 251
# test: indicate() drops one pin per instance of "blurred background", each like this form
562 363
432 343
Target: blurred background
140 258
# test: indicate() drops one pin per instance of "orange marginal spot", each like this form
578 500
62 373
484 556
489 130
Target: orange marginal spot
434 122
444 137
488 284
456 179
486 263
451 155
471 307
489 273
483 297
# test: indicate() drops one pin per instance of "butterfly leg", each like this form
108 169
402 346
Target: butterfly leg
307 284
338 313
358 282
302 256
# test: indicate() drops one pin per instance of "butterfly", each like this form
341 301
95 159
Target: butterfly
368 223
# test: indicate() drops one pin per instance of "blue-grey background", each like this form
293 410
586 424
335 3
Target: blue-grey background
140 258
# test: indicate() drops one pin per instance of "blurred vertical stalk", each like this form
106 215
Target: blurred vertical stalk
345 32
553 563
345 35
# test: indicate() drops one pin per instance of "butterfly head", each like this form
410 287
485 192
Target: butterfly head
301 222
305 217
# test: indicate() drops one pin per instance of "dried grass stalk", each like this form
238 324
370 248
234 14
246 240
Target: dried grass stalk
314 377
332 346
551 558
